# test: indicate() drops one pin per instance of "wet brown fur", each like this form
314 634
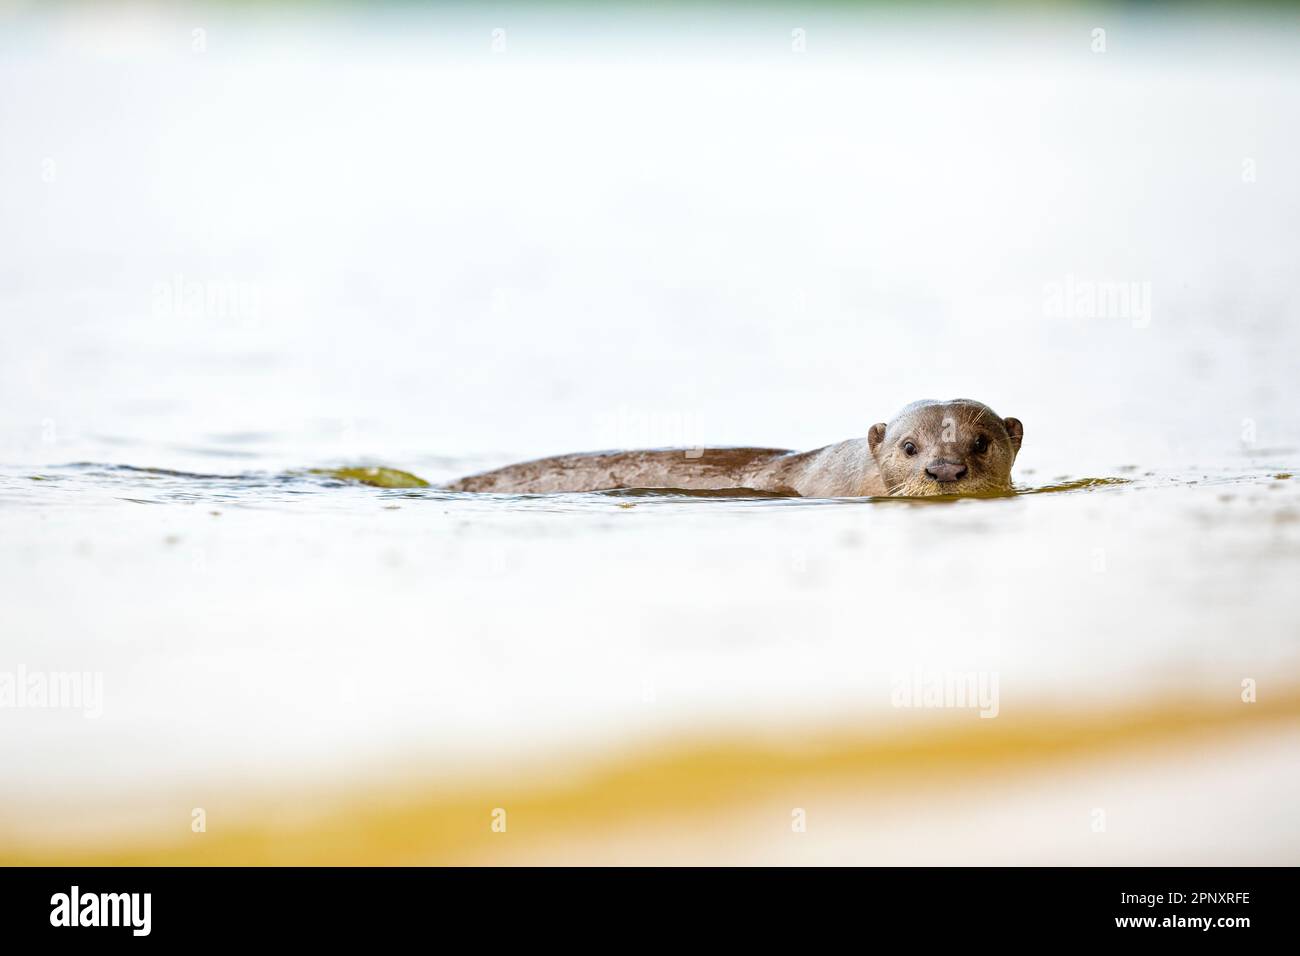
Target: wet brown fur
859 467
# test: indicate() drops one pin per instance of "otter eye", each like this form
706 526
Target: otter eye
981 445
909 448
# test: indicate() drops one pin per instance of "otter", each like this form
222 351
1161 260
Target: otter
957 447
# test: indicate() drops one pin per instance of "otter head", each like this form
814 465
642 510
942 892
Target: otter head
946 448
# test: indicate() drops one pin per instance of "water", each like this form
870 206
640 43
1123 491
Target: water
350 242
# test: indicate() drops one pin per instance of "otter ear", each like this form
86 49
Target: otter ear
1015 430
875 435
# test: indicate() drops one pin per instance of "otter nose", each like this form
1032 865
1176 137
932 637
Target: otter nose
945 470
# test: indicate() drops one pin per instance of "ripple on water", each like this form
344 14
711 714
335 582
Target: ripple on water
340 485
